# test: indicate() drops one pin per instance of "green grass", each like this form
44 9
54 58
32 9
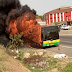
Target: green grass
68 68
33 70
52 63
36 70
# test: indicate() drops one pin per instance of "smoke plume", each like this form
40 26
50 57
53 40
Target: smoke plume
5 7
15 18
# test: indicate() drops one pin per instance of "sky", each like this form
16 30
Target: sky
44 6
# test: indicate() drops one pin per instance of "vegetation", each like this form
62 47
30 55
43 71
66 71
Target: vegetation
43 64
2 67
57 23
41 17
68 68
16 41
34 62
37 63
3 57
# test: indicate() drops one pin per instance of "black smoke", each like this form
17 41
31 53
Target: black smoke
11 9
15 13
5 7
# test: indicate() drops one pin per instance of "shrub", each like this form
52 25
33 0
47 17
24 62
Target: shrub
15 41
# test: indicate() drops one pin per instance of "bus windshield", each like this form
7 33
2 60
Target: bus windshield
50 36
50 33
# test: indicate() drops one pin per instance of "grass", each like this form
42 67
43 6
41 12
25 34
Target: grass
36 70
68 68
51 62
2 67
3 57
33 67
28 51
33 70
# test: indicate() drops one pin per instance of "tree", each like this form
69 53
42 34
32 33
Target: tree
40 16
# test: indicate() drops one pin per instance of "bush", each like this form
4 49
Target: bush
15 41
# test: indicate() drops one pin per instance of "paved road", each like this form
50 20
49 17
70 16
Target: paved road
64 47
66 41
65 32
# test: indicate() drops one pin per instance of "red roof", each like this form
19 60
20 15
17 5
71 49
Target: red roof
38 20
59 10
46 25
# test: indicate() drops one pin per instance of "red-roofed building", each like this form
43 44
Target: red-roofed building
40 21
61 14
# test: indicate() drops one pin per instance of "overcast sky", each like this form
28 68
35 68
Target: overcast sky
43 6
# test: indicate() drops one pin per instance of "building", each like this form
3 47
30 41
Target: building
40 21
62 14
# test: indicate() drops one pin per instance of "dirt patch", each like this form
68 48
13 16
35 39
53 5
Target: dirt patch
14 66
54 70
9 64
37 62
46 62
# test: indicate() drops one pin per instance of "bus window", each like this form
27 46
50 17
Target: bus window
52 36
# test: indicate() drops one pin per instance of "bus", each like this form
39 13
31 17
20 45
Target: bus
50 36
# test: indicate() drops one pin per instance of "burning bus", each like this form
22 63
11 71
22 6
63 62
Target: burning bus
34 34
15 19
50 36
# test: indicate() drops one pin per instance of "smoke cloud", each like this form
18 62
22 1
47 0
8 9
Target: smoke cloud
5 7
15 18
11 9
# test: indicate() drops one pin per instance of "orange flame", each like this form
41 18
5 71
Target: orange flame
28 25
12 29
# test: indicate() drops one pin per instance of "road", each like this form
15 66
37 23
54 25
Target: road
66 41
65 46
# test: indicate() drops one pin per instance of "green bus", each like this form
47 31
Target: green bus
50 36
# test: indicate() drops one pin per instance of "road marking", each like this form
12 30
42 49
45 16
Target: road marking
65 46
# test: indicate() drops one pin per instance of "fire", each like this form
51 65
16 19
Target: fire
28 25
12 29
15 18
